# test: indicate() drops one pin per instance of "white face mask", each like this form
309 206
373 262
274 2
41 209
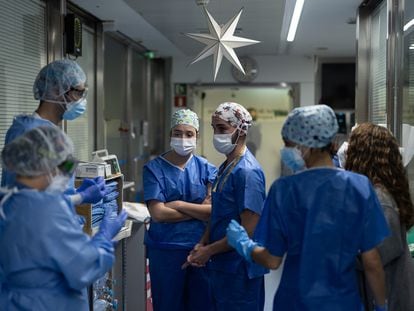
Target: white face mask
223 143
341 153
183 146
58 184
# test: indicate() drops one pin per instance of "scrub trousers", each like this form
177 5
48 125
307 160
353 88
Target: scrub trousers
235 291
176 289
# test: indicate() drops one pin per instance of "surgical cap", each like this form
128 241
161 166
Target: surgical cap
37 152
235 114
310 126
56 78
186 117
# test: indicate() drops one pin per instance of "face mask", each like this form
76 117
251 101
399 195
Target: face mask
183 146
223 143
75 109
58 183
292 158
341 153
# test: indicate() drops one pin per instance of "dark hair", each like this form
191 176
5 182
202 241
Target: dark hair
373 151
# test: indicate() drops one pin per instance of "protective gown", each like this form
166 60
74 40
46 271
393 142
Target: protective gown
321 219
237 285
46 261
168 244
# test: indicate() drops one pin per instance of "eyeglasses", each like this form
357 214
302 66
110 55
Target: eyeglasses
77 93
68 166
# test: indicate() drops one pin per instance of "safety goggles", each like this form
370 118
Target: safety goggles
68 166
77 93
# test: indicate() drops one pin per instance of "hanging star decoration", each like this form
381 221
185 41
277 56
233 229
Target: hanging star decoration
221 41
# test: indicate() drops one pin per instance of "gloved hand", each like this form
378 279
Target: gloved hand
92 190
110 226
237 238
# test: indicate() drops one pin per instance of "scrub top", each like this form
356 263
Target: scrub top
165 182
21 124
321 219
239 186
46 260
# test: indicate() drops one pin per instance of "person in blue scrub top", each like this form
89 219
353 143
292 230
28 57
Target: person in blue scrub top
61 89
321 219
238 193
46 260
177 187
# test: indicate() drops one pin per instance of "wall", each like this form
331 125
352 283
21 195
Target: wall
272 69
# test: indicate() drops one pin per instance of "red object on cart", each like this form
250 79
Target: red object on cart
148 288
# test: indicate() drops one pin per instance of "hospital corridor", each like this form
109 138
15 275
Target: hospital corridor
207 155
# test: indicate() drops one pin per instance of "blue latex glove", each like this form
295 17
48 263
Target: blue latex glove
238 238
110 226
92 190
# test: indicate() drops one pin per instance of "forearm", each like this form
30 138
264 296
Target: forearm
198 211
220 246
375 275
261 256
161 213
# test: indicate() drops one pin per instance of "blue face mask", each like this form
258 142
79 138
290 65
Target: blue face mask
292 158
75 109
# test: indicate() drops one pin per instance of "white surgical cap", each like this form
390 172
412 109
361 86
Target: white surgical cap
37 152
235 114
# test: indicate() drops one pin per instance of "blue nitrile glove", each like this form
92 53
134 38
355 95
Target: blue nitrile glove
237 238
381 308
110 226
92 190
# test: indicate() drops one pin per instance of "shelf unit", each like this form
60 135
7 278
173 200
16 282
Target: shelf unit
118 273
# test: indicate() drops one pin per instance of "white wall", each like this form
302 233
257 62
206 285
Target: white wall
272 69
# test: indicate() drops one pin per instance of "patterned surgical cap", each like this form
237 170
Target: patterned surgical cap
37 152
186 117
236 114
310 126
56 78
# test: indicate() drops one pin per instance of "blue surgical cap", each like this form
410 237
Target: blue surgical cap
37 152
310 126
56 78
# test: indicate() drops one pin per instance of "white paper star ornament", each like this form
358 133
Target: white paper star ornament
221 41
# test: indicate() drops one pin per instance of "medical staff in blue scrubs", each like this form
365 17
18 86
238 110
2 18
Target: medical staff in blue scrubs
177 187
46 260
61 89
320 218
238 193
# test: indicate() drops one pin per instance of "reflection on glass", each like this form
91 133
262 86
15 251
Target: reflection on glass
408 82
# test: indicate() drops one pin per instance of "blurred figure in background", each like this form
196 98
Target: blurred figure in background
46 260
374 152
321 218
177 191
254 136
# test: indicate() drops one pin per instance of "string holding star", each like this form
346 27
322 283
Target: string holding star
221 42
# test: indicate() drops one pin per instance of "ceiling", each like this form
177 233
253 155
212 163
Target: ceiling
159 25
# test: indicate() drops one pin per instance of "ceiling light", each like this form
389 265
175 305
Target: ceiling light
409 24
295 20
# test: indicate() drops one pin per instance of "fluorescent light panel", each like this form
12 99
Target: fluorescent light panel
409 24
295 20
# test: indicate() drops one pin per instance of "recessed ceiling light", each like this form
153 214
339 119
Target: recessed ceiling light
297 11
